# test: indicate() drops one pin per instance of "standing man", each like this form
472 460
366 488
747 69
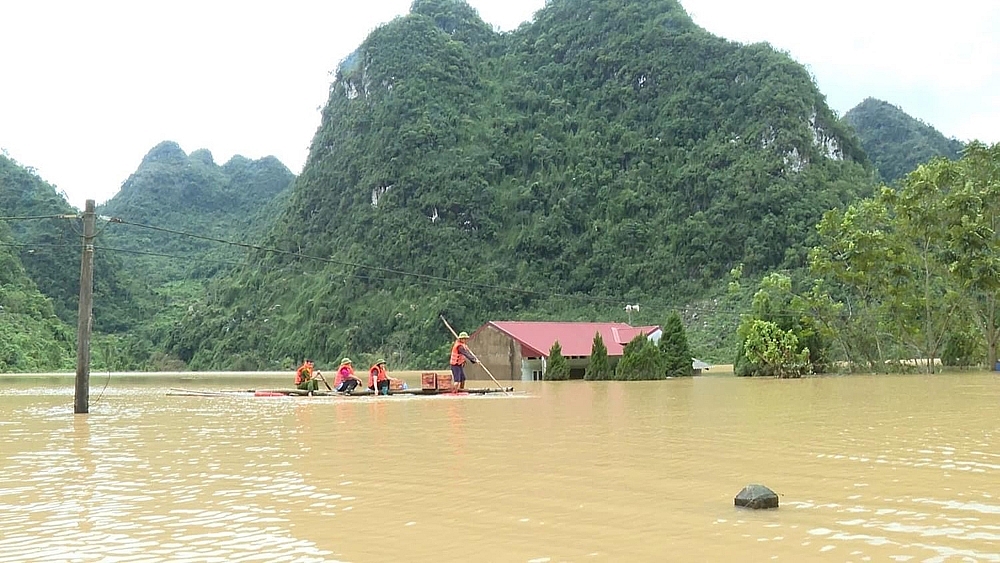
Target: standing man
304 377
459 354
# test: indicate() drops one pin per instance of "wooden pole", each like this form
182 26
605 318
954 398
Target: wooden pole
473 353
81 404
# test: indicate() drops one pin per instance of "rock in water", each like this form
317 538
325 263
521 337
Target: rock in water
757 496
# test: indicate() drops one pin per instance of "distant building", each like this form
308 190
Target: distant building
519 350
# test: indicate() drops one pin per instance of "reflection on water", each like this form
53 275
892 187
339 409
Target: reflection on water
869 469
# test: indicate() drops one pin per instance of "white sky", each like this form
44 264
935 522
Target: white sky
89 87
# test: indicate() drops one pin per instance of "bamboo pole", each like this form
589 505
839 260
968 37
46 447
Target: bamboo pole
453 333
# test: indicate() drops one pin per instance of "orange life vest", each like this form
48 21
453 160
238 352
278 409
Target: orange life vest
304 373
457 359
341 376
377 373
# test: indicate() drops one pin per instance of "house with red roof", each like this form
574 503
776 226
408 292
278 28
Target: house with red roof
519 350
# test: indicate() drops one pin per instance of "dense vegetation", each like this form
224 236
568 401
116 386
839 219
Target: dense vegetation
32 337
608 152
144 279
896 142
643 359
192 194
912 272
50 252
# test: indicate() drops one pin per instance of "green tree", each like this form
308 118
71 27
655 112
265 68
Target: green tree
777 303
557 368
971 224
598 368
906 255
674 348
963 347
774 350
641 360
851 288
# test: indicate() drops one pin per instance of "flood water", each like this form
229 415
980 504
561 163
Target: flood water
889 468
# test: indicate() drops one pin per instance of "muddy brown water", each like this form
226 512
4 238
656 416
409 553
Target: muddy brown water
889 468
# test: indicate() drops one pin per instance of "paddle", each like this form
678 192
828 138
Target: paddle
453 333
319 374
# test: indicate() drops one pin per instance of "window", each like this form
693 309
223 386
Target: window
536 375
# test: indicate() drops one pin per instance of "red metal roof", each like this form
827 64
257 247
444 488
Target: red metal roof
576 339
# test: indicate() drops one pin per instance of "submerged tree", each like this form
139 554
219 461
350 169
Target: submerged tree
924 257
775 351
557 368
641 360
598 369
776 303
972 232
674 348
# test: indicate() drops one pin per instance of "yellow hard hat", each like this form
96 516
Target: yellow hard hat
345 361
463 334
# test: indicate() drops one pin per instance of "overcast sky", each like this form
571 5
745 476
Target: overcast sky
89 87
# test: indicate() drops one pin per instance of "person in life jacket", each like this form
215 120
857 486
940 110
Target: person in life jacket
346 381
378 378
304 377
459 354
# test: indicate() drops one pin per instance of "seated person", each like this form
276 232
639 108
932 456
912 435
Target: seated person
346 381
304 377
378 378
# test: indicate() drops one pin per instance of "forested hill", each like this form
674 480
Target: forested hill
32 338
896 142
192 194
609 149
49 250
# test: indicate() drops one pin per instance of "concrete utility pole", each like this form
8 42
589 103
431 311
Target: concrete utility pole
81 404
629 309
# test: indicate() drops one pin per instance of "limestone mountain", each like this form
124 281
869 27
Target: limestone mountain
49 250
896 142
610 151
192 194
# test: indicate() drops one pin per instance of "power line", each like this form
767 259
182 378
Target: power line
39 217
383 269
45 245
144 253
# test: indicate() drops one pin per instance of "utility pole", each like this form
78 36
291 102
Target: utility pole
81 404
629 309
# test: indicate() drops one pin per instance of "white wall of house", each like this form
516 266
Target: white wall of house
532 369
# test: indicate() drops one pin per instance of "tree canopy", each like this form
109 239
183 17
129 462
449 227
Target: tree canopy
918 265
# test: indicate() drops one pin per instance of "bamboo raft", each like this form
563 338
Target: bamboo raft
178 392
